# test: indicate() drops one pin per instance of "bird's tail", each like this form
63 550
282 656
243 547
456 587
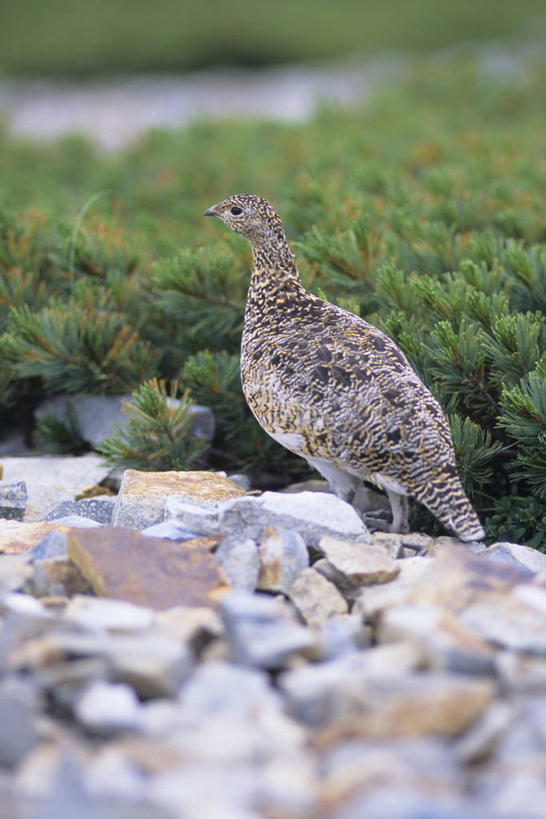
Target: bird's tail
452 508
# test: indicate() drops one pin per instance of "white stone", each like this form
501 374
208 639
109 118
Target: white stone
108 707
101 613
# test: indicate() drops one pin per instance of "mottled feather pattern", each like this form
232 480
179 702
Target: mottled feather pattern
336 390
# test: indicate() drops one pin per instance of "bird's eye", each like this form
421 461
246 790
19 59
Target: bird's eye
236 210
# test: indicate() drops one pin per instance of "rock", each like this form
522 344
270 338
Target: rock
411 544
153 665
312 514
196 518
240 562
17 538
260 631
217 688
15 571
143 495
114 615
194 627
341 635
356 765
373 599
410 705
520 674
99 509
78 522
444 639
57 577
408 802
316 598
13 500
147 571
507 621
360 563
98 415
523 556
171 530
52 479
54 544
318 694
282 555
18 711
482 738
241 480
108 707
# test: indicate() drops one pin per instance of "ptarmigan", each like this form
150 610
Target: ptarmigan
336 390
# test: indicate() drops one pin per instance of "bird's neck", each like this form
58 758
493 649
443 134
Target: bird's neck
273 262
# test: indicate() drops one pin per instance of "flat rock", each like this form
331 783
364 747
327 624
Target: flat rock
261 631
240 562
13 500
171 529
143 495
108 707
54 544
316 599
147 571
360 563
283 555
191 626
312 514
99 509
509 621
15 571
52 479
17 538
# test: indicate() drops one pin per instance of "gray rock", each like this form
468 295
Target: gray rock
99 509
241 480
239 559
260 631
341 635
13 500
15 571
217 688
18 713
283 555
171 529
511 621
312 514
108 707
100 613
78 521
195 517
517 555
98 415
53 544
316 598
482 739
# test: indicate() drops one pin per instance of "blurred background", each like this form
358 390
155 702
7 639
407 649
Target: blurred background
69 65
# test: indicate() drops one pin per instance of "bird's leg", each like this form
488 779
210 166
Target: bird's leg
399 508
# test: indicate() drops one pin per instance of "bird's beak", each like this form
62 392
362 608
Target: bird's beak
210 211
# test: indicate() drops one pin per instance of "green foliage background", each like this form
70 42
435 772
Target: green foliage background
423 211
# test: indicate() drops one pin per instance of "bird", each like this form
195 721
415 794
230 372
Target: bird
336 390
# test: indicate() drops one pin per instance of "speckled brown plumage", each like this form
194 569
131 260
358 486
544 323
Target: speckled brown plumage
336 390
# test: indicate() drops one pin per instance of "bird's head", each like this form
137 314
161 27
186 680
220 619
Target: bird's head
251 216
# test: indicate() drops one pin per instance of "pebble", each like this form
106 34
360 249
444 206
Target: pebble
260 630
316 599
107 707
282 556
240 562
99 509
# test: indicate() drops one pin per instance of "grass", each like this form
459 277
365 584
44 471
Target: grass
73 38
423 211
